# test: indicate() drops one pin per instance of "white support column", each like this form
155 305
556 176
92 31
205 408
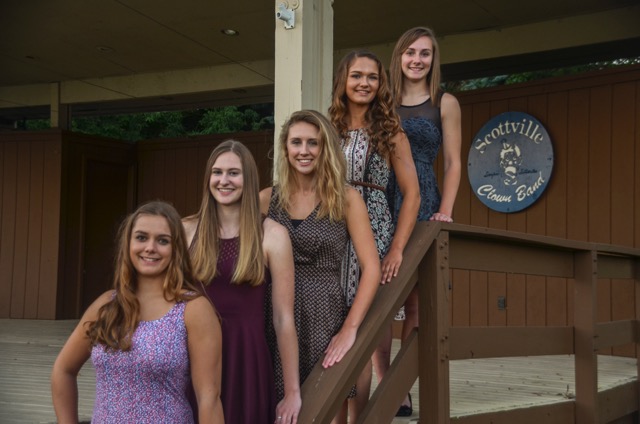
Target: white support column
59 113
303 60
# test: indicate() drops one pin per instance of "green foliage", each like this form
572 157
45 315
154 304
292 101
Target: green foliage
477 83
151 125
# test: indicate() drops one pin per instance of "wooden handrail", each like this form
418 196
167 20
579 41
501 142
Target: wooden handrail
435 247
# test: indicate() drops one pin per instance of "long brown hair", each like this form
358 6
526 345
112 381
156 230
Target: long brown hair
250 265
330 172
382 120
118 319
395 69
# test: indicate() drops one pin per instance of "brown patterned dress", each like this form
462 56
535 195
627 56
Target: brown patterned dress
320 308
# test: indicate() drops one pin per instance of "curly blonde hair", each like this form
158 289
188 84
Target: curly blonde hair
330 171
381 117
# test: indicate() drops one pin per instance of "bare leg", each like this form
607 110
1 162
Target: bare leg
382 356
363 387
341 418
410 322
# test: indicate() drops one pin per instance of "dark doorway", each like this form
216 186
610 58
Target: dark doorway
106 204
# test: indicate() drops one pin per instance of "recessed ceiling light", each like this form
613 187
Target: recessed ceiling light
230 32
104 49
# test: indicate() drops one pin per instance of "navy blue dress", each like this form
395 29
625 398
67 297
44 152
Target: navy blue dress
423 126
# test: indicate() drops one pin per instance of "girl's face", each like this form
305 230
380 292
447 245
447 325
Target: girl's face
303 147
226 180
417 58
363 81
150 247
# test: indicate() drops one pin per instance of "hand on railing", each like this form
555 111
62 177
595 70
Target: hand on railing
339 346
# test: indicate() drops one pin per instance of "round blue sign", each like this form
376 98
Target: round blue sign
510 162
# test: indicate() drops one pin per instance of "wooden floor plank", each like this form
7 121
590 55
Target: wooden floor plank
478 386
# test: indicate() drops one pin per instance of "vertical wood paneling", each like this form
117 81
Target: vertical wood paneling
180 192
600 116
516 300
50 251
7 231
556 301
21 231
194 182
497 287
479 212
622 171
460 298
600 164
636 195
5 284
478 311
578 165
536 300
462 207
556 194
34 235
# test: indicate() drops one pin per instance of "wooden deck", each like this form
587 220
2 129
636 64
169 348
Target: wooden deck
29 347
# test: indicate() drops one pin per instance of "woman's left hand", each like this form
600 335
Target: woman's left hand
339 346
440 217
288 409
391 265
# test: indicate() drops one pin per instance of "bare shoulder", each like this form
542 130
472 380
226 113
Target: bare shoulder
274 229
91 314
190 224
265 199
197 309
276 238
354 199
449 103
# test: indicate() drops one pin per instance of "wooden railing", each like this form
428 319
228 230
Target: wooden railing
433 249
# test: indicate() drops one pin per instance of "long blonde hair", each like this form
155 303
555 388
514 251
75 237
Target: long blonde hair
382 120
118 319
331 167
395 69
204 249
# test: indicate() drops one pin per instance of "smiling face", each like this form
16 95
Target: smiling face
150 247
226 180
303 147
363 81
417 58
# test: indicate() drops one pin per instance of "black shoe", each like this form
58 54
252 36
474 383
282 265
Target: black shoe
405 410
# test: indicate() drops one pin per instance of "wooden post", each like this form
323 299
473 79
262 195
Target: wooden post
303 61
586 362
433 284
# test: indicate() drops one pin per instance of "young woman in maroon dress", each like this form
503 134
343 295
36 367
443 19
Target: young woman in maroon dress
238 254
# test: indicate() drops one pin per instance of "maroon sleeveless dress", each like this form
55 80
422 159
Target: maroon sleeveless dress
248 390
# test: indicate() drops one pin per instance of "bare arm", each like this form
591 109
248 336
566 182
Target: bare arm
405 170
74 353
265 199
190 224
205 356
362 237
451 141
279 254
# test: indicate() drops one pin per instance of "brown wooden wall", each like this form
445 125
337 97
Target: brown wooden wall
593 195
30 184
97 193
173 170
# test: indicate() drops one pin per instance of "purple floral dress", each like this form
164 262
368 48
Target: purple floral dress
149 383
